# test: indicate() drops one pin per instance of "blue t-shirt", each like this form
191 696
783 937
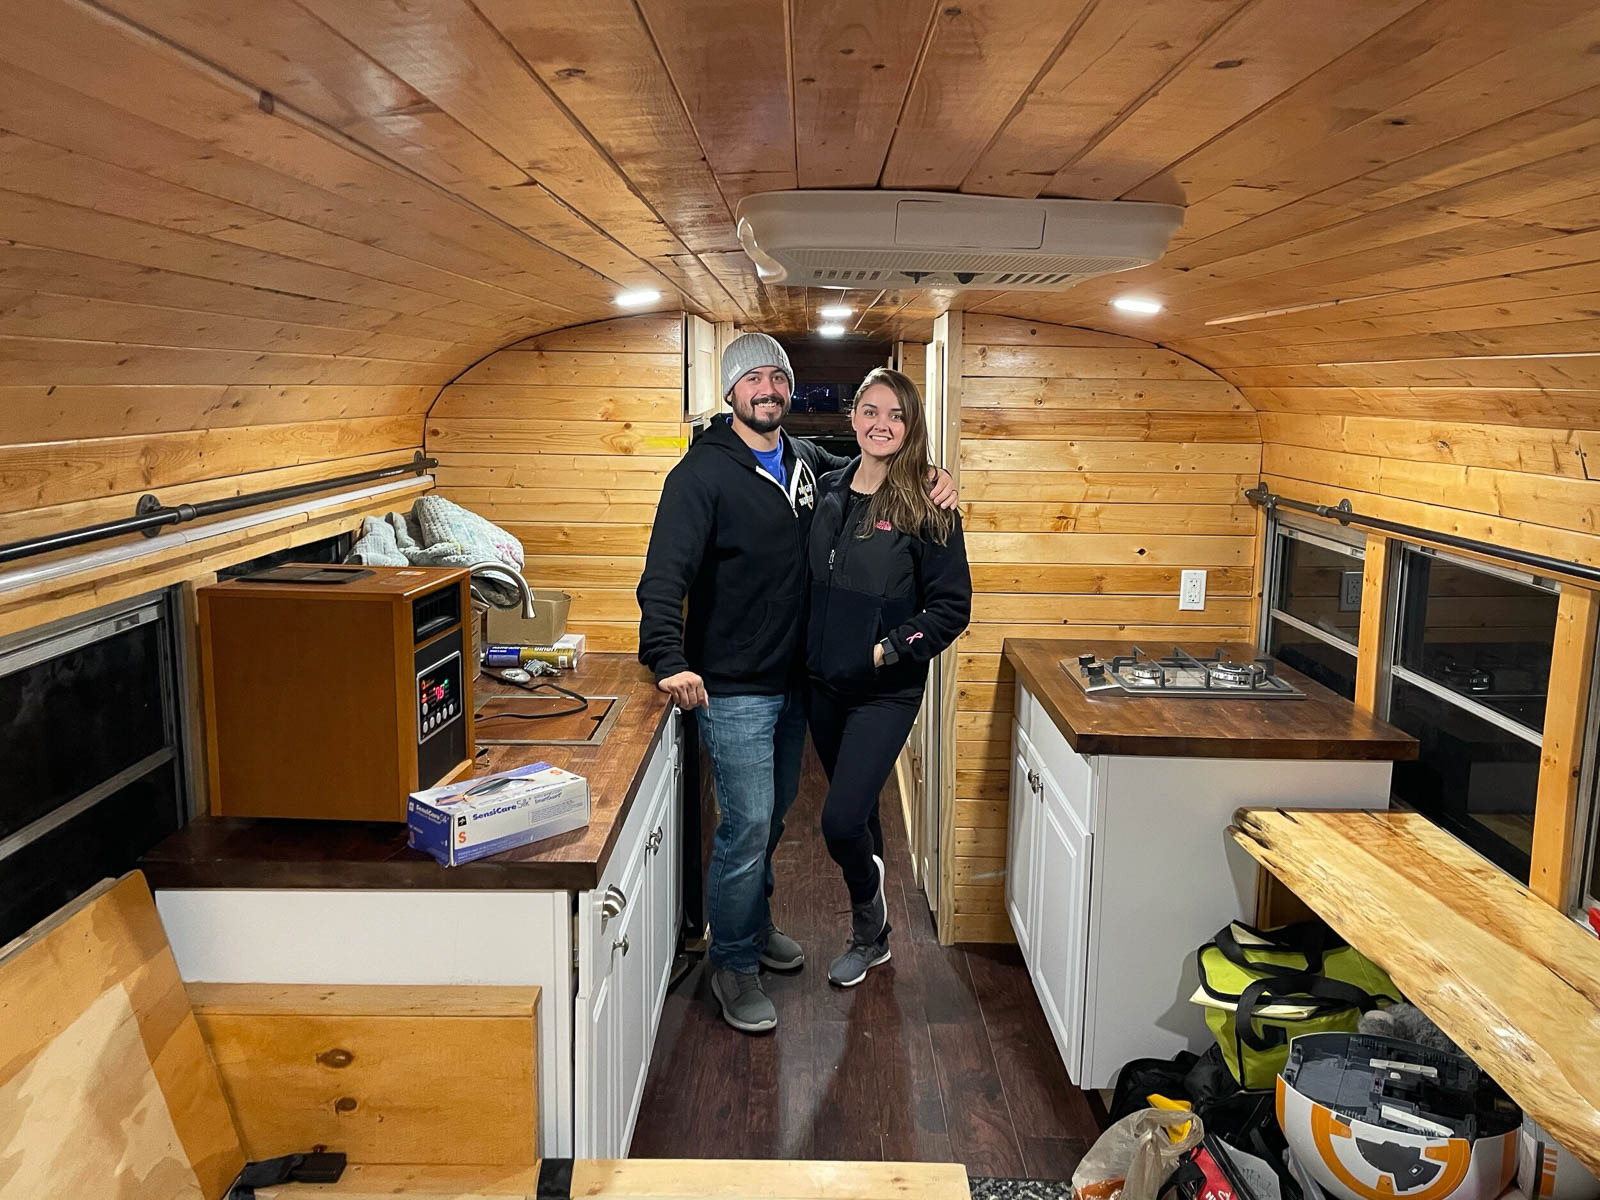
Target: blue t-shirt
772 461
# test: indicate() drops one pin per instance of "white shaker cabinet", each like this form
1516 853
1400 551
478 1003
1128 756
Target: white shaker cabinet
1120 866
627 937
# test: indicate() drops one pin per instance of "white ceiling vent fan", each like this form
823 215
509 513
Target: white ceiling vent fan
838 239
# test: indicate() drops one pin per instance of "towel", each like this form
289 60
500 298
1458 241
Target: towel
440 533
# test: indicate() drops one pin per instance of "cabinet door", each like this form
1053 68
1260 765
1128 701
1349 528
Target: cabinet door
665 874
1061 934
633 1029
595 1074
1021 843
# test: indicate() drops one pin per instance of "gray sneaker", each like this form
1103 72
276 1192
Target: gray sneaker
851 967
869 938
781 952
744 1005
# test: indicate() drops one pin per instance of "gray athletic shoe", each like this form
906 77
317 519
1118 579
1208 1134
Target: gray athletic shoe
869 938
744 1005
781 952
851 967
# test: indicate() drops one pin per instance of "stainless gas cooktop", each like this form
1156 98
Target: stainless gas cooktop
1180 675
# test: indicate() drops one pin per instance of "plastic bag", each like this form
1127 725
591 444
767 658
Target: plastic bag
1134 1158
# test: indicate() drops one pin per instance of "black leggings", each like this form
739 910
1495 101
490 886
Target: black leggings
858 740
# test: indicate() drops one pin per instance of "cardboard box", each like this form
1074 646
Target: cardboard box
475 818
507 626
573 642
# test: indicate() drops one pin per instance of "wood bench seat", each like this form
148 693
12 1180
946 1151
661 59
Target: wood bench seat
109 1088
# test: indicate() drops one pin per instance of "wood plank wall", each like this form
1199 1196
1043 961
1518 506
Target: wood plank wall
565 439
1521 485
1094 468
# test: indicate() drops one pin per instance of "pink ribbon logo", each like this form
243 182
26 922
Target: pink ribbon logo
913 637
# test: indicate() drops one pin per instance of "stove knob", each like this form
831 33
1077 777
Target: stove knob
1096 670
1085 659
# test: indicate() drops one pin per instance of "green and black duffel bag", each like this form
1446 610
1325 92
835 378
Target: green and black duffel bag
1261 988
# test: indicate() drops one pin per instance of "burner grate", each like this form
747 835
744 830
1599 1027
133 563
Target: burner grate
1181 675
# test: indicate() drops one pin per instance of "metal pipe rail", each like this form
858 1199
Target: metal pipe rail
1342 512
151 516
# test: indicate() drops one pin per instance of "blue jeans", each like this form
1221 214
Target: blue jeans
755 743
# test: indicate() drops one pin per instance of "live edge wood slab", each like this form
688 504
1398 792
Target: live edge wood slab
235 852
1510 979
1322 726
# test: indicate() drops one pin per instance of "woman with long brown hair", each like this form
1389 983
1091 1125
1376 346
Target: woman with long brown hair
890 590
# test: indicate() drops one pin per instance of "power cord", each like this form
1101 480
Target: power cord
582 703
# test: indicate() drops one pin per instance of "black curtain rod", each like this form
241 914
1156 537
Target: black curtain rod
1345 515
152 516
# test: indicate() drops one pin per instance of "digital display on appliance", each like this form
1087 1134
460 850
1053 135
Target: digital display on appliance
438 696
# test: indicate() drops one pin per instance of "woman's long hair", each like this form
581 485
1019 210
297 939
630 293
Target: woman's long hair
902 500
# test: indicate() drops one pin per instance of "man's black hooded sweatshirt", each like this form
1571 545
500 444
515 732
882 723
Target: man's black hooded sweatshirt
732 541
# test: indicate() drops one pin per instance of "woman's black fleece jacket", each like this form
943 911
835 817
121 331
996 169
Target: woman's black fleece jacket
902 586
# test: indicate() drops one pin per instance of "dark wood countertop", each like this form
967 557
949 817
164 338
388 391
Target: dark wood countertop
1322 726
241 852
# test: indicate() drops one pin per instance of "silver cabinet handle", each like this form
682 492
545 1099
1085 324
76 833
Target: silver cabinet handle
653 842
1034 782
612 904
621 944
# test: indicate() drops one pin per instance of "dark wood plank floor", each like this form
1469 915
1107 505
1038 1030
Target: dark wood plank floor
941 1055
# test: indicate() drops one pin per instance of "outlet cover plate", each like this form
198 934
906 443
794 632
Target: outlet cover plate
1350 591
1192 592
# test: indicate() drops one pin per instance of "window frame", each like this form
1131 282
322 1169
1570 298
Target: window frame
1280 530
1394 669
1586 844
1397 596
28 648
1384 659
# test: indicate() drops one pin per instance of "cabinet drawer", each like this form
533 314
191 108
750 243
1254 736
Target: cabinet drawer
1070 770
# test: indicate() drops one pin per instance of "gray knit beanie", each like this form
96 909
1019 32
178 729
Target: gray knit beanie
749 351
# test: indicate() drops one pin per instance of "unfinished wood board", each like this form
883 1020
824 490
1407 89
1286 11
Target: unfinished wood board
656 1179
1557 824
1510 979
101 1062
386 1075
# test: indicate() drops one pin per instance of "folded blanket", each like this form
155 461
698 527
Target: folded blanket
440 533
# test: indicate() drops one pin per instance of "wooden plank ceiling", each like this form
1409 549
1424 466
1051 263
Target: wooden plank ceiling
1375 189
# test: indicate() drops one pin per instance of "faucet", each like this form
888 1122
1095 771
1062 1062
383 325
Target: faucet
495 568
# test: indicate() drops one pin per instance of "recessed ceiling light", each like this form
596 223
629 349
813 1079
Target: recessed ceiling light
1134 304
637 299
831 330
835 312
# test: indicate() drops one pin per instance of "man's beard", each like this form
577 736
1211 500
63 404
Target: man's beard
746 413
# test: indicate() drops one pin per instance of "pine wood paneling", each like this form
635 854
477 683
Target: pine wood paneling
501 169
981 58
565 439
1071 535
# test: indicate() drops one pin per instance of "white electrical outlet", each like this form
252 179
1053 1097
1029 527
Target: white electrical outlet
1350 591
1192 592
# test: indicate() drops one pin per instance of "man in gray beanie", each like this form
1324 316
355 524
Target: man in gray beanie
729 538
